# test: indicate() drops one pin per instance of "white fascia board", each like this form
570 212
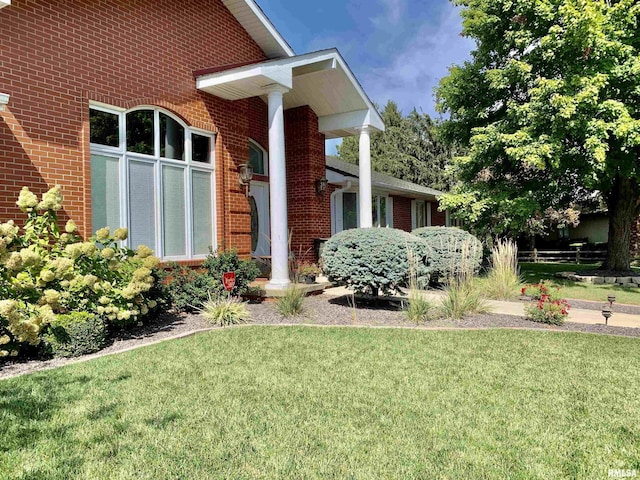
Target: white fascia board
376 119
5 3
257 11
348 121
4 100
272 74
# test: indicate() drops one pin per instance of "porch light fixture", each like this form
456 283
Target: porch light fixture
607 313
321 185
245 174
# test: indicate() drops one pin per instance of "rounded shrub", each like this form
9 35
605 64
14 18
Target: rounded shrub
75 334
455 252
376 260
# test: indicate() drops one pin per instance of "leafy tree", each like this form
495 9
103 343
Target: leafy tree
409 149
548 107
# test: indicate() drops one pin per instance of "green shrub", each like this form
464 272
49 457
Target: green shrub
190 288
46 271
75 334
218 263
455 252
292 303
373 260
224 311
418 308
462 298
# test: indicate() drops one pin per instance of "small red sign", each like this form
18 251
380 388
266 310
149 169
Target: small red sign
229 280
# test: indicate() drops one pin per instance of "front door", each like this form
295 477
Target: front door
260 228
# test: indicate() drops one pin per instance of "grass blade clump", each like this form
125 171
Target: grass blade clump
418 309
292 303
503 280
225 311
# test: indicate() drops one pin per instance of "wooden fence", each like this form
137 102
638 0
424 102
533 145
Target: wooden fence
573 256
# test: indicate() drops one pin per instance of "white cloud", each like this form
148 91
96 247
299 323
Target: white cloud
412 73
392 14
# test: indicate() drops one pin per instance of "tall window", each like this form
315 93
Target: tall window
421 214
154 175
382 211
258 159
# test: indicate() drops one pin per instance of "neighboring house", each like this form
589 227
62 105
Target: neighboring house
145 112
395 203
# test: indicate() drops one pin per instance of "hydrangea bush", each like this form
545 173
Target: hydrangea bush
456 252
373 260
45 271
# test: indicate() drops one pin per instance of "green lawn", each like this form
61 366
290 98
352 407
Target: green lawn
534 272
305 402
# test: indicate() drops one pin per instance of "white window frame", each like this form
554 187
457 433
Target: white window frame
377 199
188 166
265 157
337 214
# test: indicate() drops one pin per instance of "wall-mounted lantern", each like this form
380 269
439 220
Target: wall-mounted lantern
321 186
245 174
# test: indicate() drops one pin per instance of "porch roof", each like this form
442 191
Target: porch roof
340 172
321 80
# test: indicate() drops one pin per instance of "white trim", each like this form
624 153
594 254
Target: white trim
4 100
5 3
265 157
447 218
188 166
247 10
249 81
428 206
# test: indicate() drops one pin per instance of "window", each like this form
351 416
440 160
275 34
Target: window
154 175
258 159
381 211
421 214
349 211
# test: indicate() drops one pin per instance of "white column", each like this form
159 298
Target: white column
278 191
366 217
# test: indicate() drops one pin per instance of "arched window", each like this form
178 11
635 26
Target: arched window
258 159
153 174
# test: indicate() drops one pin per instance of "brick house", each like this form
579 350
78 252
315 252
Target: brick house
148 112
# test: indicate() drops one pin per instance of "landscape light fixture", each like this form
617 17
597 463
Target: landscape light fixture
611 299
607 313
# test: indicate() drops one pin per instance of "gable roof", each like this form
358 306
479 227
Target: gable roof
264 33
380 179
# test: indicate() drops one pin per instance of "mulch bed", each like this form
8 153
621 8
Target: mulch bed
617 308
319 310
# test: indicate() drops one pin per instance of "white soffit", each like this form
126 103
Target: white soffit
5 3
321 80
256 23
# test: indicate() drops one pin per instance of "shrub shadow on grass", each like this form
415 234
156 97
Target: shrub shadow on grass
165 322
392 304
28 404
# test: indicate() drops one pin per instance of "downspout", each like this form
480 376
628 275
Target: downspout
333 205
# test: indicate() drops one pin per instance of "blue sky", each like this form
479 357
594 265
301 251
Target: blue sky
398 49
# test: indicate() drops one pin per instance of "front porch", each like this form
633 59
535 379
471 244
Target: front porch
310 98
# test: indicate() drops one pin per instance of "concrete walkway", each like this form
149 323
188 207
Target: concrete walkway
576 315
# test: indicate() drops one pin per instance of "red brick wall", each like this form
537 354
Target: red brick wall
57 56
438 219
402 213
309 214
